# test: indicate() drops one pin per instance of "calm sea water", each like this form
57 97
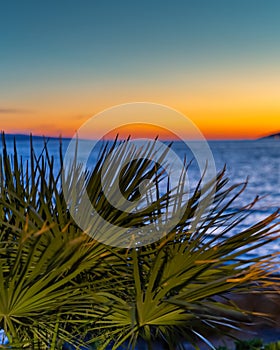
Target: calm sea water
259 161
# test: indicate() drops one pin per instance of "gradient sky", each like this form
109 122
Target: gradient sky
216 61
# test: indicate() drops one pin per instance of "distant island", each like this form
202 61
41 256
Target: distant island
275 136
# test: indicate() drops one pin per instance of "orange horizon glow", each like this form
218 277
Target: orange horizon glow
212 125
222 107
227 112
149 134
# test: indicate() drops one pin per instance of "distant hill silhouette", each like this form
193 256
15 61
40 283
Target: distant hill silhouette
275 136
20 137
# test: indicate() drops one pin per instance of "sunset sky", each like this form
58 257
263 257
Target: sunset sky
216 61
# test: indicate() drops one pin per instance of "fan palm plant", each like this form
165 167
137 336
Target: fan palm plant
58 284
182 287
41 252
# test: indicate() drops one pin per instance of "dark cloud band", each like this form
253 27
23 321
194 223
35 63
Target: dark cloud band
13 110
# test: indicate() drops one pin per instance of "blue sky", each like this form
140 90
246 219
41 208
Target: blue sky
94 54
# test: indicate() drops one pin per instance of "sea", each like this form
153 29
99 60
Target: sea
255 161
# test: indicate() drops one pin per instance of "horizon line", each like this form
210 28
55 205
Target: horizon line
60 136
